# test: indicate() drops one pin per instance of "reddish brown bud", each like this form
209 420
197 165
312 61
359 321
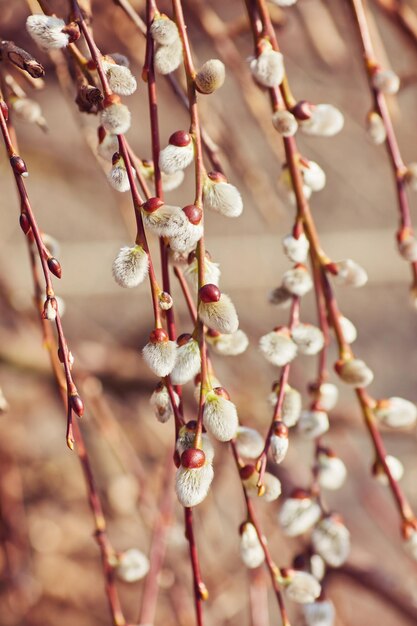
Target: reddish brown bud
158 336
300 494
191 257
115 158
222 392
247 471
191 424
209 293
302 110
111 99
212 333
152 205
217 177
77 405
73 31
101 134
4 109
193 458
55 267
280 429
183 339
180 138
194 213
24 223
18 165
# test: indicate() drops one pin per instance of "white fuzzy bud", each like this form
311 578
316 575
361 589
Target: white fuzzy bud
172 181
268 68
108 146
285 180
174 158
355 372
211 272
222 197
164 31
325 121
280 297
47 31
220 315
411 175
386 81
187 364
249 442
251 550
302 587
296 248
408 249
279 448
168 57
327 396
161 402
319 613
350 273
349 331
277 347
186 437
121 79
285 123
297 281
375 128
297 515
272 486
50 309
185 241
396 412
210 76
192 484
229 345
313 424
167 221
331 471
308 338
331 540
160 356
313 176
220 417
130 267
291 406
118 177
132 565
395 467
116 118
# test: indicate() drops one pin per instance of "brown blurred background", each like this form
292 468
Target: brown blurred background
49 562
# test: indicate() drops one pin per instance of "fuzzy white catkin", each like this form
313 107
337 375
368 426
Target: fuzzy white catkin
173 158
331 540
185 241
185 441
285 181
332 472
49 310
108 146
297 281
249 442
350 273
164 31
161 402
229 345
313 424
172 181
220 417
223 198
118 177
168 57
220 315
279 448
386 81
131 266
278 348
272 487
116 119
325 121
210 76
356 373
297 515
328 395
268 68
280 297
132 565
285 123
296 248
160 357
348 329
396 412
396 468
47 31
302 587
192 484
291 407
167 221
187 364
121 79
321 613
313 176
251 550
375 128
211 272
308 338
